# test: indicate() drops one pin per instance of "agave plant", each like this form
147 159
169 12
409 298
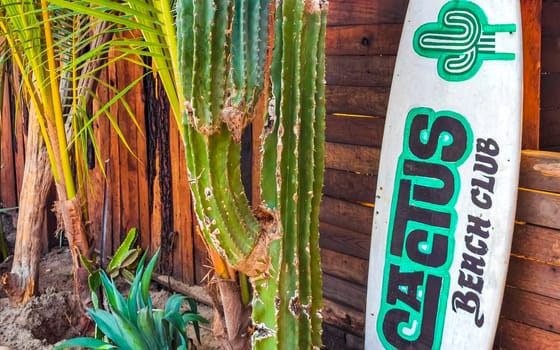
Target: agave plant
212 59
132 323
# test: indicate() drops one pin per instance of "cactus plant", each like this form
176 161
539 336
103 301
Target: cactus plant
277 245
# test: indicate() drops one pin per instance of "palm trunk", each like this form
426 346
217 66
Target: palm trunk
22 282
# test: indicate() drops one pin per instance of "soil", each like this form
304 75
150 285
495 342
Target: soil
49 317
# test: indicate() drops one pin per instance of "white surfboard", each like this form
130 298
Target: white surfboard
447 184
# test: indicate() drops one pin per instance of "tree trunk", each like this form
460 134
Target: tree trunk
22 282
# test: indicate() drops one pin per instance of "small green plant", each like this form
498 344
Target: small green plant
132 322
121 264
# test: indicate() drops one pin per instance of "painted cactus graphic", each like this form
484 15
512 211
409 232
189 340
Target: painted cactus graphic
461 40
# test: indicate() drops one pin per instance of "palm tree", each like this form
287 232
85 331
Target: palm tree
59 55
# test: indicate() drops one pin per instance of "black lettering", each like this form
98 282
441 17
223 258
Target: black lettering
395 317
480 249
407 281
488 146
478 226
470 303
474 265
438 254
428 194
405 212
451 152
483 201
469 281
487 185
485 164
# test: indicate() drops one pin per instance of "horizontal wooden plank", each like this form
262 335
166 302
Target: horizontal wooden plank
343 292
355 130
534 276
538 207
537 243
345 241
550 23
352 158
363 40
540 170
513 335
348 215
344 266
343 317
360 70
334 338
342 12
349 186
531 309
361 100
550 54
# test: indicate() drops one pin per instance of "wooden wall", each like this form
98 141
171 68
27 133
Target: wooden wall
362 42
531 305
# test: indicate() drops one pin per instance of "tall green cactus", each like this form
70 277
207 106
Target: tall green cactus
222 53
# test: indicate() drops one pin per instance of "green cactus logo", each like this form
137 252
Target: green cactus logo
460 40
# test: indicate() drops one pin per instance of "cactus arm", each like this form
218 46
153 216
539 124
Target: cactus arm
265 290
201 118
219 65
306 164
289 306
238 49
319 168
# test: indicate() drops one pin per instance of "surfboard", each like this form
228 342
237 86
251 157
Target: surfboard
447 183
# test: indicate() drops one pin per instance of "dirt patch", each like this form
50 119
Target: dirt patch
46 318
50 317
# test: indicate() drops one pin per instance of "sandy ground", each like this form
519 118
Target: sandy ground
48 317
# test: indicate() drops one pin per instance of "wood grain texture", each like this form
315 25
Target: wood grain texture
550 54
531 309
343 240
550 128
344 292
513 335
335 338
362 131
363 40
550 85
540 170
343 317
345 267
531 21
344 12
370 101
373 71
98 180
349 186
8 187
536 243
550 11
349 215
537 277
538 207
352 158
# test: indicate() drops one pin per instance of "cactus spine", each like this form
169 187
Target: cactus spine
222 52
